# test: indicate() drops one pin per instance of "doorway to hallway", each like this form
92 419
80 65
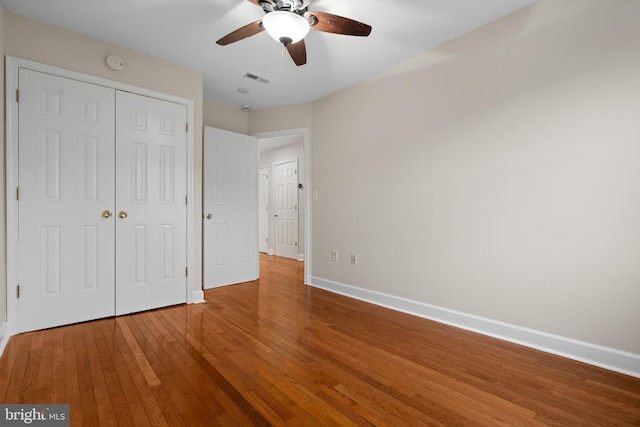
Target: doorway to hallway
288 207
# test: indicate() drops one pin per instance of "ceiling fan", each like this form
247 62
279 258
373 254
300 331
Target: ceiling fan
289 21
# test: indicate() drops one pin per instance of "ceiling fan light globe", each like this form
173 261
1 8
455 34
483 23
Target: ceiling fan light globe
285 27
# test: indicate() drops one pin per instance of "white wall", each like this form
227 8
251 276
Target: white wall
497 176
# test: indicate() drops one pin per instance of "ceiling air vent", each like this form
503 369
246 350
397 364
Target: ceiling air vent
256 78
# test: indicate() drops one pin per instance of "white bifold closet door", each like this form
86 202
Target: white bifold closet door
66 174
101 208
151 191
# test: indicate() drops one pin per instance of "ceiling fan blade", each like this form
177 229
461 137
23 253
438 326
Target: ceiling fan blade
242 33
298 52
330 23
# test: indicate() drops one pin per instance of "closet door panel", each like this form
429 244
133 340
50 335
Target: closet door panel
151 206
66 182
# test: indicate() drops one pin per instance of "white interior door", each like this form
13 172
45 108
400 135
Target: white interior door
230 208
151 211
66 175
286 209
263 208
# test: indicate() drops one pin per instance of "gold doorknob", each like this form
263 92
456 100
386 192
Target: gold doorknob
107 214
123 214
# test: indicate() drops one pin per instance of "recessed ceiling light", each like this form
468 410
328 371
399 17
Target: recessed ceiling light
243 90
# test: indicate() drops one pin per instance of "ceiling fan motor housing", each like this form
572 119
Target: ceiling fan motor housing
298 6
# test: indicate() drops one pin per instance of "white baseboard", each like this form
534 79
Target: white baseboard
198 297
593 354
4 337
300 257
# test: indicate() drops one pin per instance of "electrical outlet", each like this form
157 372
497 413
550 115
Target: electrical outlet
354 258
334 256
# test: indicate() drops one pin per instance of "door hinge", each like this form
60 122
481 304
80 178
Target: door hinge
296 244
186 126
186 272
18 291
18 95
186 200
17 193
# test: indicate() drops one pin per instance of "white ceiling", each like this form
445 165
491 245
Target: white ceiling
185 31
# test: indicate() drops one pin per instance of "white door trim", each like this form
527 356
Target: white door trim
305 179
263 210
12 65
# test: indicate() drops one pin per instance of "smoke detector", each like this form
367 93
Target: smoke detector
115 62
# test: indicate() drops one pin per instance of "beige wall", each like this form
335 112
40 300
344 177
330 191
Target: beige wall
3 208
280 118
36 41
497 176
225 117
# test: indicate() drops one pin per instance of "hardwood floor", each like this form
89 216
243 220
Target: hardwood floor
274 352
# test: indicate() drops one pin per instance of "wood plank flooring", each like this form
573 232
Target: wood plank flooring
274 352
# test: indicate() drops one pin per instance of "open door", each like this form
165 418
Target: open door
230 208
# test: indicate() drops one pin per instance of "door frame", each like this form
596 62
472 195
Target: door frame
268 207
305 180
12 66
